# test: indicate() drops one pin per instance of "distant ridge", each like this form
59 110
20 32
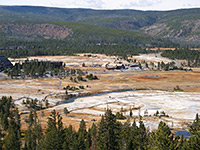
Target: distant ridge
182 25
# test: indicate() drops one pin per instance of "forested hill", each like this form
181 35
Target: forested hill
179 25
28 38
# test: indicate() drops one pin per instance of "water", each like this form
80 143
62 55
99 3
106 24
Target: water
185 134
153 77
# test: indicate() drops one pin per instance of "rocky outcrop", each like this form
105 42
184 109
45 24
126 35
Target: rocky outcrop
185 31
45 30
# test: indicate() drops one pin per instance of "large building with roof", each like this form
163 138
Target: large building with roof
4 63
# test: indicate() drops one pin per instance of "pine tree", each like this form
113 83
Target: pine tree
30 119
183 144
195 127
194 141
18 123
131 113
88 142
66 111
54 136
142 135
93 133
82 128
29 140
4 121
82 135
68 141
108 132
60 130
38 134
101 138
30 134
1 142
163 139
137 138
81 141
125 134
47 103
12 142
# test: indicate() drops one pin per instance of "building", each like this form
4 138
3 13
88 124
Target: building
134 65
110 67
4 63
120 66
114 66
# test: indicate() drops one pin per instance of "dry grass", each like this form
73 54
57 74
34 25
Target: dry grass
70 119
111 81
188 81
163 49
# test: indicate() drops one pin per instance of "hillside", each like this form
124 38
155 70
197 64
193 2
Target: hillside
29 29
179 25
29 38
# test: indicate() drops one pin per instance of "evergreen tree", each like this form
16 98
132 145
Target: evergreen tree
12 142
47 103
82 135
108 132
54 136
163 139
125 134
142 136
4 121
132 141
194 141
30 119
183 144
60 130
29 140
81 141
88 142
1 142
18 123
38 134
68 141
31 135
195 127
93 133
66 111
131 113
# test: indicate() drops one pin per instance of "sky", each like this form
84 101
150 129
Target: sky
109 4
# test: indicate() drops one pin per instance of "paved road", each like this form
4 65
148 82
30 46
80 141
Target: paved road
177 63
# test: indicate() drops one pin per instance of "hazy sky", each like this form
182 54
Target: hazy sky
109 4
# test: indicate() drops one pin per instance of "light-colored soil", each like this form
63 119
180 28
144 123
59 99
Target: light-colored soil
77 60
163 49
108 81
151 58
39 88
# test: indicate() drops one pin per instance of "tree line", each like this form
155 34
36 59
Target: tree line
85 39
17 49
108 134
36 68
191 56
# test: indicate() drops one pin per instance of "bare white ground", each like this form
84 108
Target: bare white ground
180 105
152 58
